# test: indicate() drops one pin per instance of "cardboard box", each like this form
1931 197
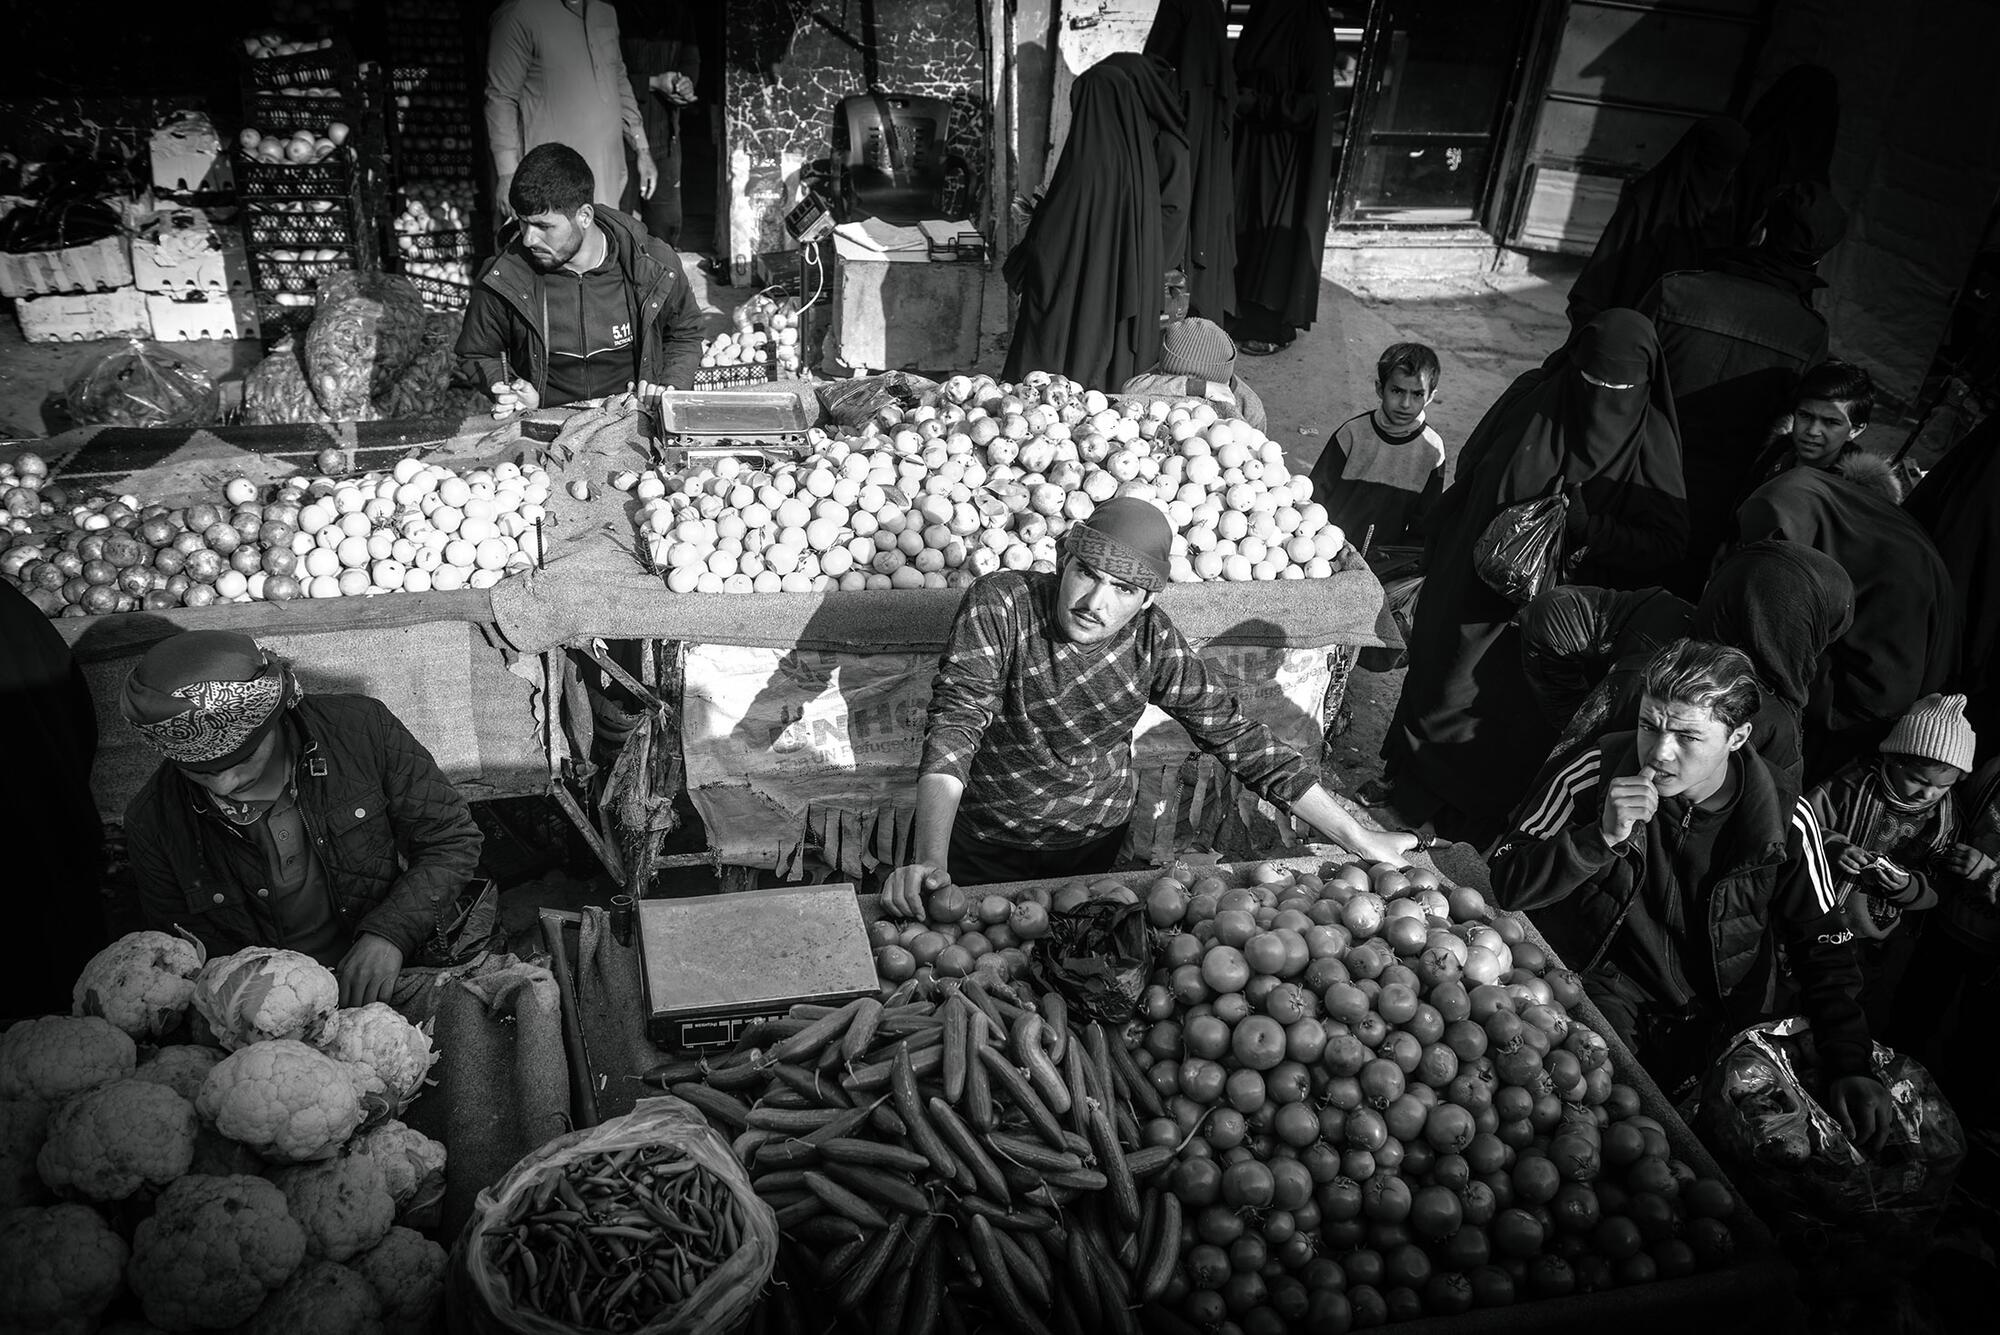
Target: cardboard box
75 317
185 319
101 266
188 254
190 157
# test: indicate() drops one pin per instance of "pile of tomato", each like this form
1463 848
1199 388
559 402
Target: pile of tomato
1383 1109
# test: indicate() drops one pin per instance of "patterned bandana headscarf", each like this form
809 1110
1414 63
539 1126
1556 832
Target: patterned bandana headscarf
1127 539
204 699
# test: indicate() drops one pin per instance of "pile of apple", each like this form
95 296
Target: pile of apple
766 330
430 208
412 529
990 478
301 147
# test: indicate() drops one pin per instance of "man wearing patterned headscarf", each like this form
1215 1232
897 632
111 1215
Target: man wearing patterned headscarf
313 823
1027 764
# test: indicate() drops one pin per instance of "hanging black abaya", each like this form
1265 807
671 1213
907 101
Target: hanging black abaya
1467 735
1958 504
1658 224
1091 271
1283 155
1189 35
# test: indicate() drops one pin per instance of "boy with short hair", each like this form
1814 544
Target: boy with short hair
1830 411
1385 468
1887 823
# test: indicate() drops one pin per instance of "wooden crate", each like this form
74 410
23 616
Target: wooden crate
181 320
101 266
76 317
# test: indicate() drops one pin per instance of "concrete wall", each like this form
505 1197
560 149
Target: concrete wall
783 79
1917 164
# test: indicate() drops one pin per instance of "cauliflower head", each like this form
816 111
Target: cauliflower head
411 1162
320 1299
181 1067
262 993
406 1270
24 1125
393 1054
142 982
60 1266
108 1142
60 1055
343 1204
218 1156
285 1099
212 1250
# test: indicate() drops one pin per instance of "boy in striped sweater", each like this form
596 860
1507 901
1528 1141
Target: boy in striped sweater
1666 865
1888 823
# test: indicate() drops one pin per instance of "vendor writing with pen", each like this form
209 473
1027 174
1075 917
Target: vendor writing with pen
1027 762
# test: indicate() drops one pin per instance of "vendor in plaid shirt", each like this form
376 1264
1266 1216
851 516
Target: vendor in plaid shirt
1027 767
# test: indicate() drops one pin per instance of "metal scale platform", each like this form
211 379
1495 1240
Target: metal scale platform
691 427
714 964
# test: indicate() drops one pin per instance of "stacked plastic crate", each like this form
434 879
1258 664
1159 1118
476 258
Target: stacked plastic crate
432 102
302 208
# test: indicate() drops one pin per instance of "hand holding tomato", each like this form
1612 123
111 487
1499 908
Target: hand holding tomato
1629 802
1865 1110
903 893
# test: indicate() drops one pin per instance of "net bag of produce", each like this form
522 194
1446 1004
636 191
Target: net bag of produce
1853 1214
276 389
366 330
140 384
646 1224
1098 955
424 386
854 403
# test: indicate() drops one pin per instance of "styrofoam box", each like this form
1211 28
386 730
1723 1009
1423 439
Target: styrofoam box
101 266
168 269
216 316
73 317
190 156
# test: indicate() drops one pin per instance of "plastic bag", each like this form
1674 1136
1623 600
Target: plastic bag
140 384
276 390
366 330
1521 552
1790 1155
854 403
423 388
1098 955
718 1304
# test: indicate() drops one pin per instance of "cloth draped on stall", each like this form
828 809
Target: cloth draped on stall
1091 270
1467 735
1190 35
1283 162
1663 221
1904 640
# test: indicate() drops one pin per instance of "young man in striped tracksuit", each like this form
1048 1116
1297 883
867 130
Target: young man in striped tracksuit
1666 865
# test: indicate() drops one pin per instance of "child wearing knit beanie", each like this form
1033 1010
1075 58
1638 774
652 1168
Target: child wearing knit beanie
1887 825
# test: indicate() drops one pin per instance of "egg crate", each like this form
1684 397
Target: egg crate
275 321
440 294
448 244
270 274
330 179
304 231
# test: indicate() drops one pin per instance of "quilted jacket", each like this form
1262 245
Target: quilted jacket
397 841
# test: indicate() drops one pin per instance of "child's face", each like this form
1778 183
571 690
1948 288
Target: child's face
1821 429
1919 782
1404 397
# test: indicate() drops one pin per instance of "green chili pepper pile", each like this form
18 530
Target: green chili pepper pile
614 1241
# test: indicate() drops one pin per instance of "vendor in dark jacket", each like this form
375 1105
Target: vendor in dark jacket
582 303
316 824
1666 866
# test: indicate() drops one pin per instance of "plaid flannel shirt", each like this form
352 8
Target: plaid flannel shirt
1039 729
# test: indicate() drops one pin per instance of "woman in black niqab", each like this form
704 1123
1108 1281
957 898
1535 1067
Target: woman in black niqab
1467 734
1190 35
1091 271
1660 223
1288 114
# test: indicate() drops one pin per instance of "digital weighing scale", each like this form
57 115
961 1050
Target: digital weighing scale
715 964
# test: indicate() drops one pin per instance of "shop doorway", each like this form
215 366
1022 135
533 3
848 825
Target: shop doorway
701 139
1431 98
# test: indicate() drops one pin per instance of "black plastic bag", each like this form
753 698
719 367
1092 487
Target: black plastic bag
1098 955
1521 552
854 403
